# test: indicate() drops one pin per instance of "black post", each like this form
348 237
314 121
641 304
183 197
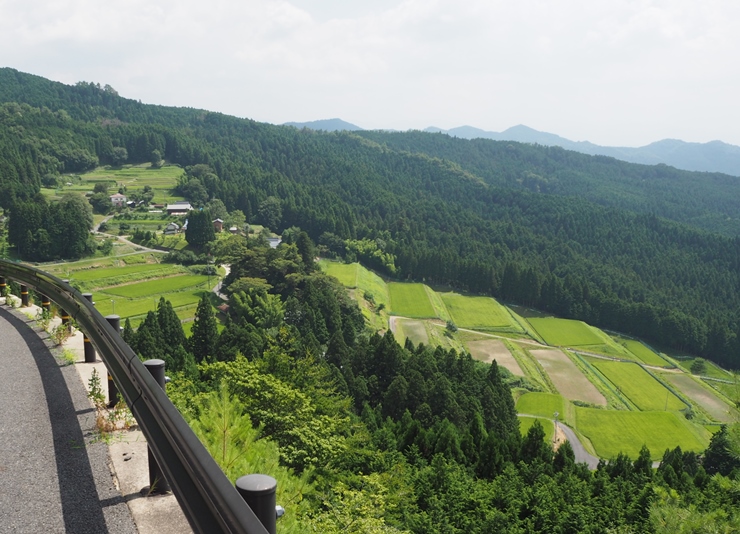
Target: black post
115 322
45 302
64 314
24 296
3 286
157 482
259 492
89 349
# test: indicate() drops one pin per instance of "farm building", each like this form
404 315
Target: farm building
218 225
180 207
118 200
274 241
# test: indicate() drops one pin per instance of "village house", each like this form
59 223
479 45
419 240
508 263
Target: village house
218 225
118 200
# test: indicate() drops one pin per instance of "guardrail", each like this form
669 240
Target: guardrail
209 501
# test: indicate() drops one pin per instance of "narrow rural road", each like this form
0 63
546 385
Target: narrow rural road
54 473
582 456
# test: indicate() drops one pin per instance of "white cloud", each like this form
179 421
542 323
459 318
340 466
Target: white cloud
626 72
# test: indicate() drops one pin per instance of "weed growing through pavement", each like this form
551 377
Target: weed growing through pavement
60 333
108 420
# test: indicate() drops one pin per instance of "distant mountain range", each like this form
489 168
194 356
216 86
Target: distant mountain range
714 156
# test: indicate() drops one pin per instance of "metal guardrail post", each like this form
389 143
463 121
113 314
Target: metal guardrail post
64 314
115 322
157 482
3 285
259 492
24 296
89 349
45 303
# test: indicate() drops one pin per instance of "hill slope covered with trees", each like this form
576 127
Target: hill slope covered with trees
565 232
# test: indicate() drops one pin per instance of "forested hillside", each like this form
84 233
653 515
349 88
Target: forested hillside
584 237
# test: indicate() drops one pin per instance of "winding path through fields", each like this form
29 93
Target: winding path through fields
582 456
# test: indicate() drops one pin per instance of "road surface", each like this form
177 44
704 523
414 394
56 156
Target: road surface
54 476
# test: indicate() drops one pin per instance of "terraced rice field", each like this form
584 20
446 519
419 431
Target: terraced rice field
644 354
702 395
542 404
615 431
487 350
410 300
565 332
567 377
638 386
478 313
160 286
416 331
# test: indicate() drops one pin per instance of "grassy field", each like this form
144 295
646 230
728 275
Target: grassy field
410 300
565 332
542 404
478 313
638 386
644 354
106 303
613 431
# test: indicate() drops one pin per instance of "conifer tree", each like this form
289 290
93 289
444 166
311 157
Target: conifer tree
205 331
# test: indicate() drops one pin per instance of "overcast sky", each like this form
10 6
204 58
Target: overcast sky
614 72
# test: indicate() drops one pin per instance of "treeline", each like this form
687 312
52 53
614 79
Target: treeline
443 220
367 436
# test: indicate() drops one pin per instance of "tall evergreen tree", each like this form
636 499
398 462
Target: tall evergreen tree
205 331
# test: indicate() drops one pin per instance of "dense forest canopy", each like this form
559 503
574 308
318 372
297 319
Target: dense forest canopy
367 436
584 237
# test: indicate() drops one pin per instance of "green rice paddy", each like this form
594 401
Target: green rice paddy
410 300
614 431
478 313
159 286
644 354
565 332
638 386
542 404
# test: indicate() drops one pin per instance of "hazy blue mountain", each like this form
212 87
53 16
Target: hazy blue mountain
328 125
714 156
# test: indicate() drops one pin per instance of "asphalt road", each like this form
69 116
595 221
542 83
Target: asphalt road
54 475
579 450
